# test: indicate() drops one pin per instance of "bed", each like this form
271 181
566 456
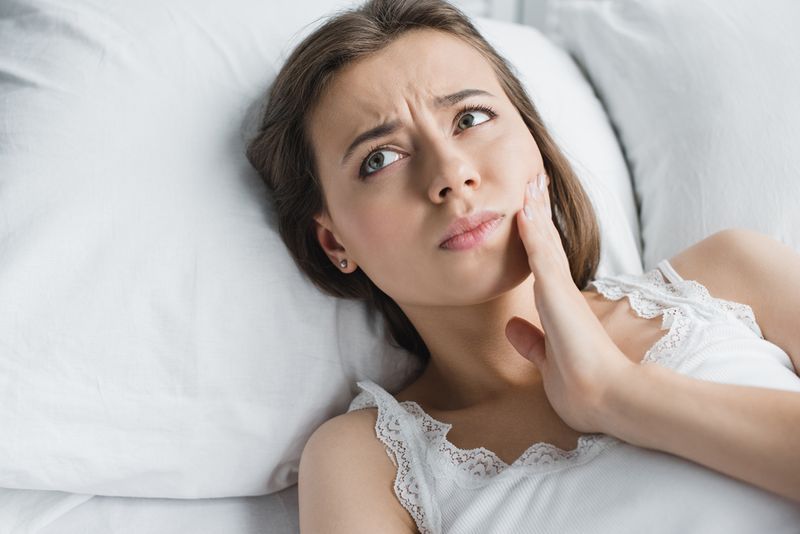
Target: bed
162 361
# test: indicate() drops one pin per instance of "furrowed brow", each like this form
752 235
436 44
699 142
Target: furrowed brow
390 127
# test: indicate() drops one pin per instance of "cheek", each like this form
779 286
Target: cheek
514 151
377 230
527 144
524 167
387 246
532 149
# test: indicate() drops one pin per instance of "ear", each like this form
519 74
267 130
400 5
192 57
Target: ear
330 244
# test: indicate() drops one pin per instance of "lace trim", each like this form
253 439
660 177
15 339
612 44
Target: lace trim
737 310
388 428
740 311
674 318
362 400
480 463
643 293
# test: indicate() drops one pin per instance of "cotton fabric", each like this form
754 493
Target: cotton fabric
604 485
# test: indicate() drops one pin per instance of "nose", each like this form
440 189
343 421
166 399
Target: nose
453 174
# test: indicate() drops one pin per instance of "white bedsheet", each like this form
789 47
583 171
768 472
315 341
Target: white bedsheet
56 512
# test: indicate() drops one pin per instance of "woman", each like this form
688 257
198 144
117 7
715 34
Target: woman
409 169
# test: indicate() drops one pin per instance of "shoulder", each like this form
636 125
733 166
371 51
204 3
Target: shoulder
716 262
347 478
351 428
751 268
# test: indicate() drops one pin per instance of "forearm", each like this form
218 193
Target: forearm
749 433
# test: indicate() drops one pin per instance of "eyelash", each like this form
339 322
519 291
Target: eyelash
468 107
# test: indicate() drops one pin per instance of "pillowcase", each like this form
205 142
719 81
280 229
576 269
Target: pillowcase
156 339
703 94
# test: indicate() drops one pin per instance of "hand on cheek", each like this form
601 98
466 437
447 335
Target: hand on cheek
578 361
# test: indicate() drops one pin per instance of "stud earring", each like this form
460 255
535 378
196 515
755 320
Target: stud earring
343 264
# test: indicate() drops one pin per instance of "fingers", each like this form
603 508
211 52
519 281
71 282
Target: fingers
535 220
527 339
536 211
546 256
537 197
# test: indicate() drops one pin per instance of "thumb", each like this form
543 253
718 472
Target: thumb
527 339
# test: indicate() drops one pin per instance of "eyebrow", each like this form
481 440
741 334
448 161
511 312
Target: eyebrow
392 126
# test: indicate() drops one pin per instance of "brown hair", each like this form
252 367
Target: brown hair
282 152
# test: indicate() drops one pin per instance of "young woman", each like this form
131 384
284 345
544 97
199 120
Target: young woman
409 169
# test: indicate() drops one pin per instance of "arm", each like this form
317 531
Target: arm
346 480
749 433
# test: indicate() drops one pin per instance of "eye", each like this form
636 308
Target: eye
375 159
468 111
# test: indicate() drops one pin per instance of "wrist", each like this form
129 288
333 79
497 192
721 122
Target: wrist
624 404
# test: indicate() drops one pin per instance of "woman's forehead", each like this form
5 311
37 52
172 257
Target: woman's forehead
417 66
413 72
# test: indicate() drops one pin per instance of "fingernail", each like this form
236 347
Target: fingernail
542 179
528 212
532 191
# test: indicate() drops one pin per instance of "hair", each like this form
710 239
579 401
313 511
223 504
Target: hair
282 153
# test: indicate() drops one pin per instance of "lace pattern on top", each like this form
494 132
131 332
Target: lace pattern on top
479 465
741 312
480 462
650 294
388 428
654 293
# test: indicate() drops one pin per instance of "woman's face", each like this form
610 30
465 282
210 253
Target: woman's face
390 206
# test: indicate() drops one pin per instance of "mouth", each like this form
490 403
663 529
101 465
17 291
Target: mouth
467 223
473 237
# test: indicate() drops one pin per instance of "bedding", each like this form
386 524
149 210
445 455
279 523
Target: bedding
156 340
703 96
162 362
54 512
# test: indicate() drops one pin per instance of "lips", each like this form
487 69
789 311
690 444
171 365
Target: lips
466 224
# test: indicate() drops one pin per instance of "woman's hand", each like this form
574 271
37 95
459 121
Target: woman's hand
579 363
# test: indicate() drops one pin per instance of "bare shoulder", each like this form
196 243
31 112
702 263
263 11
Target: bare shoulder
751 268
725 263
346 479
713 263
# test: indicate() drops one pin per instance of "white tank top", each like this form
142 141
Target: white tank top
604 485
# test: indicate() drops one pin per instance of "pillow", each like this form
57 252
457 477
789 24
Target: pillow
156 339
703 94
56 512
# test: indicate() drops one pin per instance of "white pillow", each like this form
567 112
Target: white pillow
156 339
704 94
